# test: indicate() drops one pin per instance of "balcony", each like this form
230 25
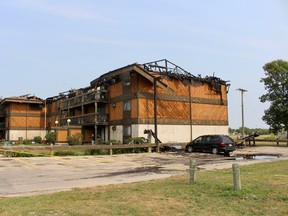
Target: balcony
99 119
85 99
89 97
75 101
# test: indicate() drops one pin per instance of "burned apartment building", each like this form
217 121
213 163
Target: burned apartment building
139 99
22 117
158 96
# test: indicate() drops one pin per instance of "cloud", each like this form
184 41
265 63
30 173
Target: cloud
57 9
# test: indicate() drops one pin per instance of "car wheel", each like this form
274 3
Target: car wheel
227 154
215 150
190 149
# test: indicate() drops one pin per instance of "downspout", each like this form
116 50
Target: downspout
108 116
190 111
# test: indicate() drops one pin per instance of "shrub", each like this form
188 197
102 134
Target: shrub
37 139
96 152
135 140
114 142
51 137
139 140
75 139
21 154
64 153
130 150
26 142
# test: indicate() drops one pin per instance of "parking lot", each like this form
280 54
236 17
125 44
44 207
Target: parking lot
24 176
37 175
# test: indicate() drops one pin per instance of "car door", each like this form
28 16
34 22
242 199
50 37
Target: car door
206 143
214 142
198 143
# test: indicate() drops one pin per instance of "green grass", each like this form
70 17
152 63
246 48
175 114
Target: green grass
264 192
72 152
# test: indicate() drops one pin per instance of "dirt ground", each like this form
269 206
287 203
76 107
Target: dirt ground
38 175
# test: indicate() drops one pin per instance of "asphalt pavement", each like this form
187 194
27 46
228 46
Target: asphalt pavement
39 175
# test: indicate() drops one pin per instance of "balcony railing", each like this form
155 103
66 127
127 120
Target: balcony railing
75 101
89 97
86 98
65 103
99 119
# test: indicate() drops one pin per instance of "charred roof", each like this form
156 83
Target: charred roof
160 67
150 71
23 99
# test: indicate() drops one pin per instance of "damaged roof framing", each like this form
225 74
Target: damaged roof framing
22 99
162 67
148 70
111 76
170 69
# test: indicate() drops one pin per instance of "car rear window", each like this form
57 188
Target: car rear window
227 139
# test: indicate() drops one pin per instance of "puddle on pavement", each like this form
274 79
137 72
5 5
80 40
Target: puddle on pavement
254 157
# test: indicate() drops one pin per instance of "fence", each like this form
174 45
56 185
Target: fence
165 146
253 141
277 141
110 147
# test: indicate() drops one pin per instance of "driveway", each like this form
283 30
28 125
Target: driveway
38 175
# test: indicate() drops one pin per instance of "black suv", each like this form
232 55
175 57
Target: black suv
212 143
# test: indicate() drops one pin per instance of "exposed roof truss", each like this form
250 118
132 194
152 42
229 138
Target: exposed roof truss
168 68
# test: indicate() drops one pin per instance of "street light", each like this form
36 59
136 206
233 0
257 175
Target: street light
56 123
68 121
242 107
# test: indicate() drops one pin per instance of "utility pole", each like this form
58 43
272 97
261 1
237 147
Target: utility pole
155 112
242 107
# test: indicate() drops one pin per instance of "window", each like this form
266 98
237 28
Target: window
199 140
207 139
127 106
215 139
34 106
227 139
127 131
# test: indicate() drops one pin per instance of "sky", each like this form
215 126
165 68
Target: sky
51 46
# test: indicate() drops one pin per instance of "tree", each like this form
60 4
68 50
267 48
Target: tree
276 85
247 131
